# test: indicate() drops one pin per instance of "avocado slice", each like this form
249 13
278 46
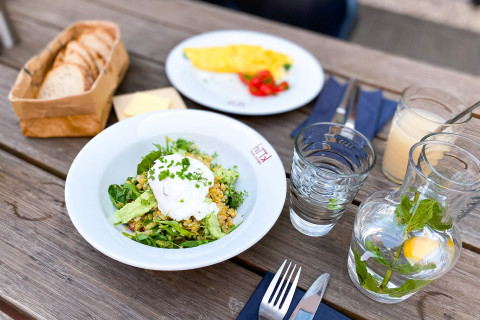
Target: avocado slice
227 176
211 222
137 208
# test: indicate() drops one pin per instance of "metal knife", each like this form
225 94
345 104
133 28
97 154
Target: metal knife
352 110
341 111
307 307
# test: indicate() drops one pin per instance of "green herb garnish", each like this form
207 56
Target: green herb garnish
333 204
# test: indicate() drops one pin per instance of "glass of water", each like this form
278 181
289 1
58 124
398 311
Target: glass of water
330 164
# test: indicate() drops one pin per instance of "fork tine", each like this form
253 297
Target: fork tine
270 288
289 297
286 285
280 283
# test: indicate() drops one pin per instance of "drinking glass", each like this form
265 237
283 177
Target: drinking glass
330 164
421 111
405 238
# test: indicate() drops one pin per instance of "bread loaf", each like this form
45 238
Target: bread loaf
76 67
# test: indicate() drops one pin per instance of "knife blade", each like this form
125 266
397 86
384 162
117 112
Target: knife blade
309 303
341 111
352 109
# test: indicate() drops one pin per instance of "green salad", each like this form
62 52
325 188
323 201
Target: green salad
180 198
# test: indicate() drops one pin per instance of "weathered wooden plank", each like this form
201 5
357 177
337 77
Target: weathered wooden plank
4 316
455 295
49 271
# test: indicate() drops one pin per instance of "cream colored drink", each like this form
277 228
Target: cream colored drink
408 128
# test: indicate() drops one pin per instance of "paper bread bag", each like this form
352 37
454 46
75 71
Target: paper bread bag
84 114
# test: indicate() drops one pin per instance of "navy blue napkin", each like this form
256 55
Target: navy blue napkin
250 311
373 111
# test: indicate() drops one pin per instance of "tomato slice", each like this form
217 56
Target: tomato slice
282 86
262 83
255 82
268 89
266 77
256 92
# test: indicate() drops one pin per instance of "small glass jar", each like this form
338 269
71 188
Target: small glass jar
405 238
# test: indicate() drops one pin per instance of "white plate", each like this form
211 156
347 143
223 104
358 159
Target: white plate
113 155
225 92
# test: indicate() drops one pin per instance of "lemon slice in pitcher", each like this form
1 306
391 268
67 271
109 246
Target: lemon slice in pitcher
418 249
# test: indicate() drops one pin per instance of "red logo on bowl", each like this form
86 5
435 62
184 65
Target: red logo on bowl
260 154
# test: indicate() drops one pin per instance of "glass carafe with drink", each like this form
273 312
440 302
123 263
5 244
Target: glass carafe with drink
405 238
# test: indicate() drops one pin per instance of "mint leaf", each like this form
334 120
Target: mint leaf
436 221
423 213
368 282
378 256
409 286
364 277
408 268
403 210
333 204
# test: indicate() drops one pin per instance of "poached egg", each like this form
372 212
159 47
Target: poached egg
180 184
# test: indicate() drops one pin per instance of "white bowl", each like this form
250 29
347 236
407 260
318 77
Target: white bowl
113 155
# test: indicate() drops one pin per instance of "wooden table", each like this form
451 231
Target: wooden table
47 270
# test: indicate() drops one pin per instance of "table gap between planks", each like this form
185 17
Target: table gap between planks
49 271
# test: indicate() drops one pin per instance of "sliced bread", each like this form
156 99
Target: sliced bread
76 58
58 59
90 40
104 36
68 79
76 47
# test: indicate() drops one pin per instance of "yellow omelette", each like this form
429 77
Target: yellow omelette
239 58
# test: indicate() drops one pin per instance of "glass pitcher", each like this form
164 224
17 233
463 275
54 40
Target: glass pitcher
404 238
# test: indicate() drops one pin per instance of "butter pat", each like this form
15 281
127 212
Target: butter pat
142 103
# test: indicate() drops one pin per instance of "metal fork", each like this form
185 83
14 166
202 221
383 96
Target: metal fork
272 310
